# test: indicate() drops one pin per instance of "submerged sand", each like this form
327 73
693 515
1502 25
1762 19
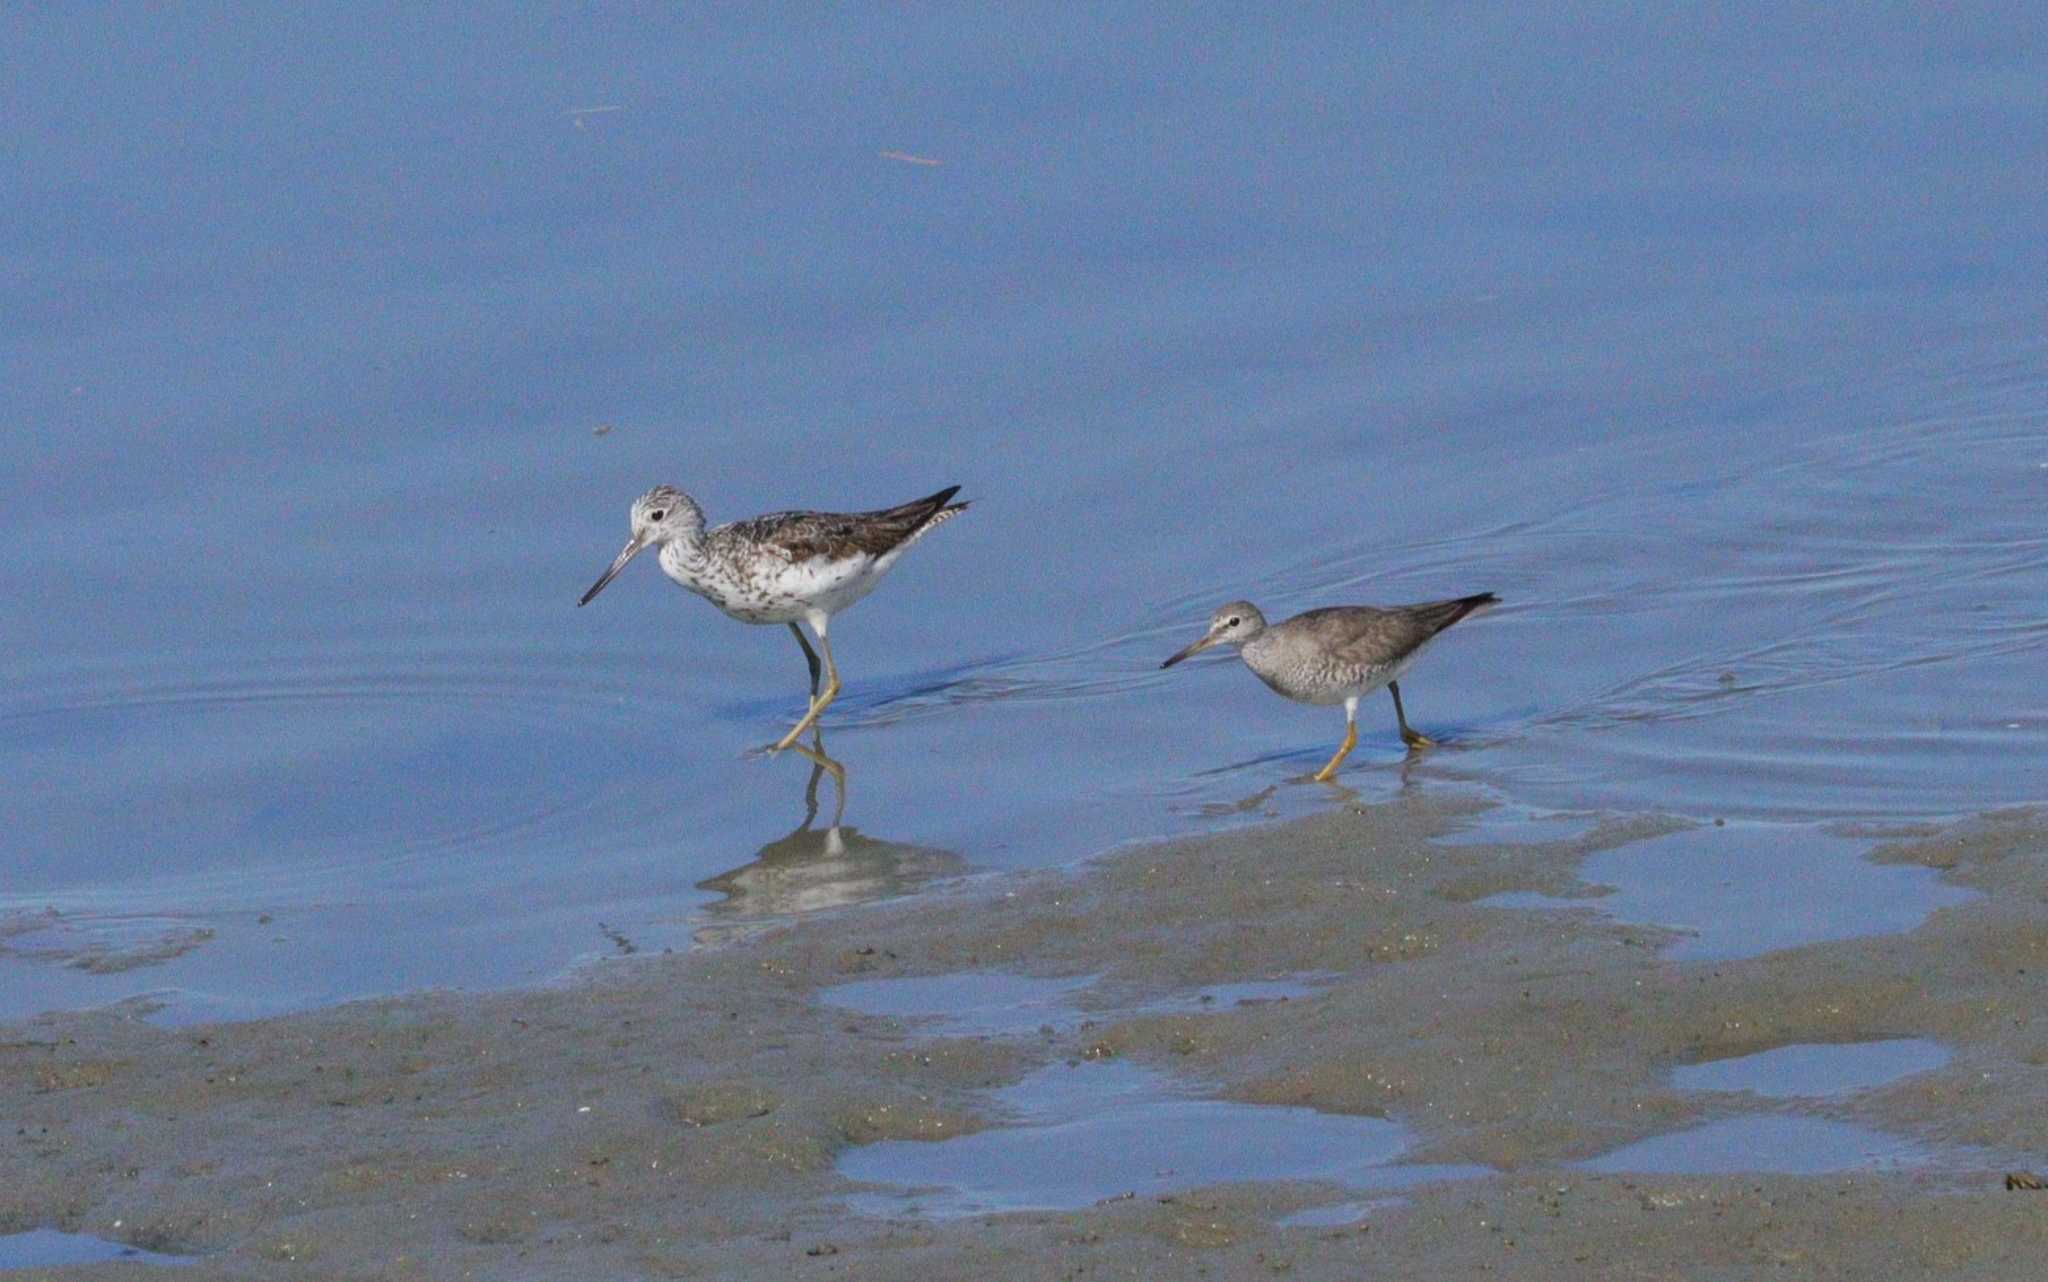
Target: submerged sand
680 1116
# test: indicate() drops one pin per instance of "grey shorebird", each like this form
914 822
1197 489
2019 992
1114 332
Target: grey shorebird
782 567
1338 654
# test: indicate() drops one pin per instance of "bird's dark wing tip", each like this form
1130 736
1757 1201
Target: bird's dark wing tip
1444 613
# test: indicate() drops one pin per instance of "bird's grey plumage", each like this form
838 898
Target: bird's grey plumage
1325 656
1337 654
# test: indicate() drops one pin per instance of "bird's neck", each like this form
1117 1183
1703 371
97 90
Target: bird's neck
682 556
687 519
684 538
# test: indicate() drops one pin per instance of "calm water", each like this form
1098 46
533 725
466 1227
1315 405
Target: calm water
335 346
1078 1134
1781 1143
993 1003
1815 1068
49 1249
1746 889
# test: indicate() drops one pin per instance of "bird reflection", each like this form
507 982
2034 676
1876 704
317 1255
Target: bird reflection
814 868
1407 778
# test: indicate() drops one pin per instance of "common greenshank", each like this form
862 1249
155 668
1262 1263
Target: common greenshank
782 567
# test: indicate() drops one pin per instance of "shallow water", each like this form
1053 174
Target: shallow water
337 344
1746 889
1087 1132
1815 1069
50 1249
1337 1214
997 1003
1507 822
971 1002
1780 1144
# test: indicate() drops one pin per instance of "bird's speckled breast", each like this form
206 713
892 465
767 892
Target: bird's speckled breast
1306 677
769 588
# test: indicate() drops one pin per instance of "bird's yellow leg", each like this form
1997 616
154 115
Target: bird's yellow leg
1329 772
822 764
819 704
1412 737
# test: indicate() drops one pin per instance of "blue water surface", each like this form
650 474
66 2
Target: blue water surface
335 341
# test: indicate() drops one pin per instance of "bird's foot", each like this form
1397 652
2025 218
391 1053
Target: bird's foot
817 757
787 741
810 718
1417 740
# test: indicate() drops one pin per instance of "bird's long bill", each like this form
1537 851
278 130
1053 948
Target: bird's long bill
632 550
1196 648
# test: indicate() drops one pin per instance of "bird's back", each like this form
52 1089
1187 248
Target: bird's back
779 566
836 536
1329 654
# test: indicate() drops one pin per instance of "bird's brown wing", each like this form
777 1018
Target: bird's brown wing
841 535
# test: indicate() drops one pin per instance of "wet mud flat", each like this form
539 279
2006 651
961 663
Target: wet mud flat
1515 1080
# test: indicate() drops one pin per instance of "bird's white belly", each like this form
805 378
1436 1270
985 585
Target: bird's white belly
830 586
1324 691
781 593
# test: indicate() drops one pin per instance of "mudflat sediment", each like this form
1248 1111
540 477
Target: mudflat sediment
684 1115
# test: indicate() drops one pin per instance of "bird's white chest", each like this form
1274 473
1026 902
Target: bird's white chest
1311 679
772 589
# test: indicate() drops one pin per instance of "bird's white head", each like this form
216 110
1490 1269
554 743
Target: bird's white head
662 515
1232 624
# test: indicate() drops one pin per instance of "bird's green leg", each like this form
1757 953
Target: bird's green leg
1412 737
1329 772
819 704
810 657
821 763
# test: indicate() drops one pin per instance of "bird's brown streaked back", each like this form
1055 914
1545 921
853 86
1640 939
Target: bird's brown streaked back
836 535
790 568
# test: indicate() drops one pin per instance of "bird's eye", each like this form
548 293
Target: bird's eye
656 514
1234 621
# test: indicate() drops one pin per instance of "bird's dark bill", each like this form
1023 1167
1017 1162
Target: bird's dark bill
1196 648
632 550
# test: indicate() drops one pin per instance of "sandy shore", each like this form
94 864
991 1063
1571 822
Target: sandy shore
680 1116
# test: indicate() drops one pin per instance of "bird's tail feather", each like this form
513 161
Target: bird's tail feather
1438 615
